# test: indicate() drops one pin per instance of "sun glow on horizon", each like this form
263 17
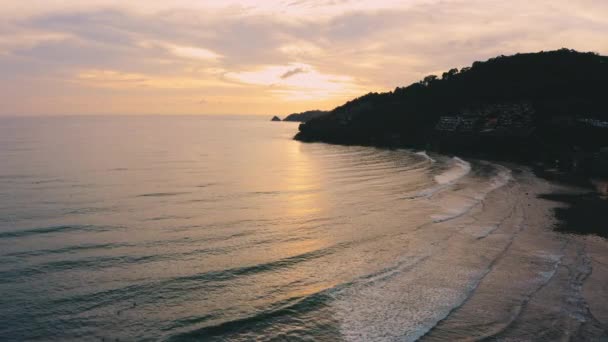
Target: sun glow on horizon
260 57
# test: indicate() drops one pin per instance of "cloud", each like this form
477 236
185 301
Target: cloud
191 52
123 80
301 50
292 72
298 81
29 39
291 52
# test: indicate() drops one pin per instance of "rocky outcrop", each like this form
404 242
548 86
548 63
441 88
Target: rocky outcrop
275 118
305 116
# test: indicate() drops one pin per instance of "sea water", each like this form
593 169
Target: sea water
225 228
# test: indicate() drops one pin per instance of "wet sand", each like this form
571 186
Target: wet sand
551 280
585 212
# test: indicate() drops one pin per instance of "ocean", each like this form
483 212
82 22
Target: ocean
224 228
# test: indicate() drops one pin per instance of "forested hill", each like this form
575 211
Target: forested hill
544 101
305 116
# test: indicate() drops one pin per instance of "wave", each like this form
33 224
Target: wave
290 307
501 178
163 194
16 176
426 156
454 213
256 320
206 185
102 262
185 283
52 229
68 249
391 300
150 244
89 210
458 203
264 267
459 169
93 263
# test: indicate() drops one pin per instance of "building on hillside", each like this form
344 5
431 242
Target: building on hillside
468 124
448 123
594 122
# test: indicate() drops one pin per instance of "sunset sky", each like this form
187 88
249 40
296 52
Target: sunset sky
260 57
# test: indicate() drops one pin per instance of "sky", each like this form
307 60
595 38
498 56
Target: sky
75 57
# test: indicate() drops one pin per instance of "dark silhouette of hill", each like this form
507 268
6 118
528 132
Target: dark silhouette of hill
305 116
275 118
532 106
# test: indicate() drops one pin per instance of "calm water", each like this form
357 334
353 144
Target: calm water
203 228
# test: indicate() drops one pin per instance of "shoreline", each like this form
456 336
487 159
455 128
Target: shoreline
586 199
585 192
556 278
586 210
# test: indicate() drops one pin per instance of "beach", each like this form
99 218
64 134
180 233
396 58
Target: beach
557 279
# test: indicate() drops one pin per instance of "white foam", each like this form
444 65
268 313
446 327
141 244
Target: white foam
465 204
426 156
454 212
401 308
502 178
459 169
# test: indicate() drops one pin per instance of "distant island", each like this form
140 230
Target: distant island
302 117
547 106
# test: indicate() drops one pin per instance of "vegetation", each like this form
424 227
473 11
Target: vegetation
566 90
305 116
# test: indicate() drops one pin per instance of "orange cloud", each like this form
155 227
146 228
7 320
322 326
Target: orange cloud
123 80
254 56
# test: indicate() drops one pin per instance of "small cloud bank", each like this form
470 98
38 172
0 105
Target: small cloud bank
298 81
293 72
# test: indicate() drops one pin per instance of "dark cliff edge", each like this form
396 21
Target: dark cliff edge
305 116
549 107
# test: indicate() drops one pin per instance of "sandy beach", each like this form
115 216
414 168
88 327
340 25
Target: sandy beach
552 268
